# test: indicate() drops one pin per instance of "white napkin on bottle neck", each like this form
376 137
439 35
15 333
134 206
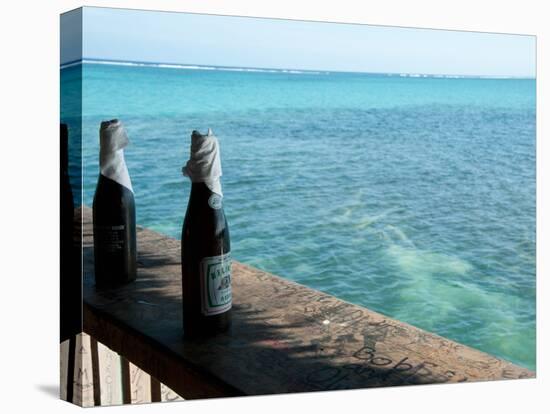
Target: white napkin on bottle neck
112 140
204 165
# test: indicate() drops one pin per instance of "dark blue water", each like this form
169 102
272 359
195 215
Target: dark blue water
414 197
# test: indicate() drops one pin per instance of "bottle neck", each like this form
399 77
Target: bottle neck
200 192
113 166
204 165
204 198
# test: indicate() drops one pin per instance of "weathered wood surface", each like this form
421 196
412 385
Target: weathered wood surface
83 394
110 377
63 368
101 383
285 337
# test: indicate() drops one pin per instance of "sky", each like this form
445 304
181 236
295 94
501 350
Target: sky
162 37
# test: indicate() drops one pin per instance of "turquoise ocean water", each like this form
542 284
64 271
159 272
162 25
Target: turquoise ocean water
413 196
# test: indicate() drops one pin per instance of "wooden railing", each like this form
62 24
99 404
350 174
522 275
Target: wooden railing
94 375
285 337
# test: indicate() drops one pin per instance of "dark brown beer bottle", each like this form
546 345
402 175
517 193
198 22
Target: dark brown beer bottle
205 246
114 211
70 292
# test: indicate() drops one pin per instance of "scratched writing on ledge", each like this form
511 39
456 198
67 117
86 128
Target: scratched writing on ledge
376 369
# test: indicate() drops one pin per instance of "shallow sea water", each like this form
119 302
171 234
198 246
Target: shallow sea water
414 197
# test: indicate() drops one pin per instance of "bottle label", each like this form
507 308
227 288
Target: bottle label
216 284
215 201
110 238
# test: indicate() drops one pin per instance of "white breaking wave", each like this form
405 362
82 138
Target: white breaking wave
444 76
191 67
289 71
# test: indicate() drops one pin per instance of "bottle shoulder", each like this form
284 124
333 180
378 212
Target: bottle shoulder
205 219
203 201
112 193
204 225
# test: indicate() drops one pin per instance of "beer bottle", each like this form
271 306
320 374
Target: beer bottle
114 211
205 247
70 299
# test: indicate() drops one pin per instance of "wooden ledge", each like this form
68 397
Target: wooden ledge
285 337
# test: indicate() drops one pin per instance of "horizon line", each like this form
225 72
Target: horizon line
193 66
